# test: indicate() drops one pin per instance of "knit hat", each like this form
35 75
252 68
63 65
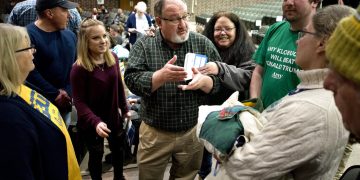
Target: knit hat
343 47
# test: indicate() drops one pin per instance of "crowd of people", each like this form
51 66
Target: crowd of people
305 73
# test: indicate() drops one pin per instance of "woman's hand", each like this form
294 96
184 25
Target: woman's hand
210 69
127 115
102 130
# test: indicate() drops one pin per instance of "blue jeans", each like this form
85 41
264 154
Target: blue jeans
206 164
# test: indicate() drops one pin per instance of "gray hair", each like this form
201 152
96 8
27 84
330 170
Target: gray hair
326 19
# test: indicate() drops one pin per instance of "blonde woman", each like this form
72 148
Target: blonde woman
36 144
99 96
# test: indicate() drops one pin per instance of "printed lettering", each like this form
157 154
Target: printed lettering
275 57
272 48
286 52
276 75
43 105
289 69
288 60
274 65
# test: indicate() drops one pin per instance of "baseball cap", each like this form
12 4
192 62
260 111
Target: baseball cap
41 5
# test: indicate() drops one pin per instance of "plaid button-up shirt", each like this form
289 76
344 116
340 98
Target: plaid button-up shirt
23 13
168 108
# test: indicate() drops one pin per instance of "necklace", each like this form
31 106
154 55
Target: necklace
101 66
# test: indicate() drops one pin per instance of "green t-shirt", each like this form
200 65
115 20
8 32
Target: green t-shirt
276 54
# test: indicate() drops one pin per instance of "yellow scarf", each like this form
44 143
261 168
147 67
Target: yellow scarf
40 103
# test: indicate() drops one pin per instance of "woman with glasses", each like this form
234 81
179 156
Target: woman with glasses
231 39
235 47
304 137
99 97
36 144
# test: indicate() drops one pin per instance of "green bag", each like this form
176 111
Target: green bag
221 129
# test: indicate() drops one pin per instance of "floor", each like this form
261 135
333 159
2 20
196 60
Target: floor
131 171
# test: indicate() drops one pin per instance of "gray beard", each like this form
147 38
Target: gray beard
177 39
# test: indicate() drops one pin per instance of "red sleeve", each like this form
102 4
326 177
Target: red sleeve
78 80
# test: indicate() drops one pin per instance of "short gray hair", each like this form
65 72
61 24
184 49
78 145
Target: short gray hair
325 20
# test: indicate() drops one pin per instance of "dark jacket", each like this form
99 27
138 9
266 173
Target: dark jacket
32 146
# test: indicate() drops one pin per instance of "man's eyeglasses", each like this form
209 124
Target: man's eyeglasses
32 48
302 33
225 29
176 21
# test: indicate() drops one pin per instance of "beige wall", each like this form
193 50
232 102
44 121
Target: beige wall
201 6
210 6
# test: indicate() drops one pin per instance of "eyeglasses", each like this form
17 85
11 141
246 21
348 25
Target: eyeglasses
225 29
176 21
32 48
302 33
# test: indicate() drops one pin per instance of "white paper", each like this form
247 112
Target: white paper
193 60
258 23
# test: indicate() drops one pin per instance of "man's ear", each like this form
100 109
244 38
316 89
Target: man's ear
158 21
49 13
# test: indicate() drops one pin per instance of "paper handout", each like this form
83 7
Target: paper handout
193 60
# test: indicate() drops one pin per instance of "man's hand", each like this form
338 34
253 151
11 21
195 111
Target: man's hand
210 69
169 73
150 32
63 101
199 81
102 130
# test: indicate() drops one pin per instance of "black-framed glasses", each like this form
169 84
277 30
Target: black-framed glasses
302 33
176 21
32 48
225 29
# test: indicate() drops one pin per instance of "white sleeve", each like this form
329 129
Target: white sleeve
286 141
